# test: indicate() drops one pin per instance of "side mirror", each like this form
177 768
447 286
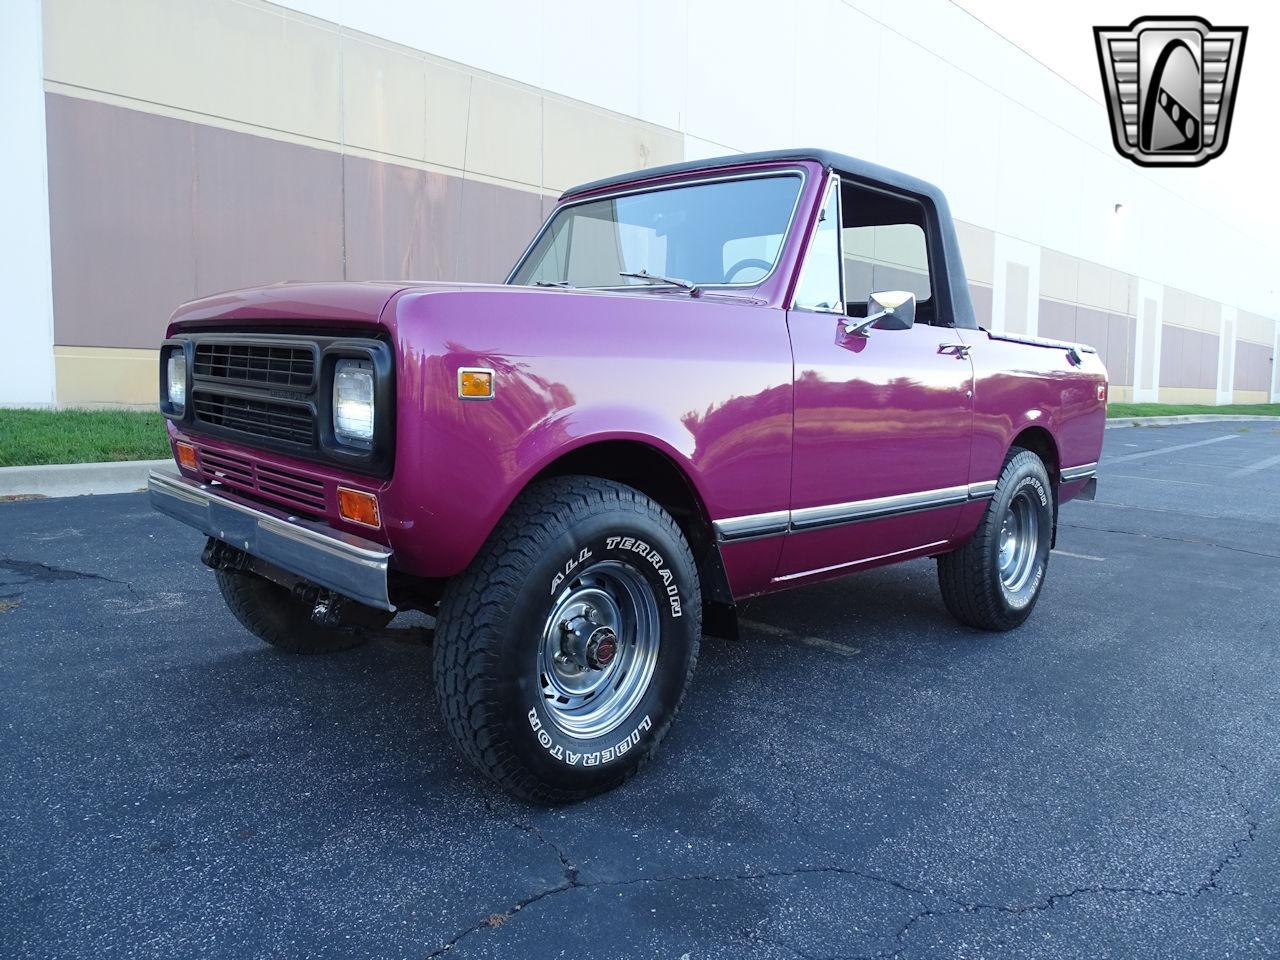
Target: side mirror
888 310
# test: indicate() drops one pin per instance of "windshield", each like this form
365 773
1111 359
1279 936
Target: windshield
727 232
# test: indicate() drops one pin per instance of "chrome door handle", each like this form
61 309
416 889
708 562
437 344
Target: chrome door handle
957 350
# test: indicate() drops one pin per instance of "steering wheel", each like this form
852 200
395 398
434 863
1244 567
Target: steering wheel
741 265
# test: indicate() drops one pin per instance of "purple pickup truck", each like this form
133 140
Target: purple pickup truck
699 383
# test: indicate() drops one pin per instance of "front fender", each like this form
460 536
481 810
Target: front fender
706 384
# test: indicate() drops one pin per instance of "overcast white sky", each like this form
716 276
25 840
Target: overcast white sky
1245 180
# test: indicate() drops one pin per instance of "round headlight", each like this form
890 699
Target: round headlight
177 377
353 403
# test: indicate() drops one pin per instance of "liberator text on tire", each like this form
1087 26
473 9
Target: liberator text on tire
563 651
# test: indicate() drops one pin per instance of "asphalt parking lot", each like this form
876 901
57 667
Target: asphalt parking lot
859 777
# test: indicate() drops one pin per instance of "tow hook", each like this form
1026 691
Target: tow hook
328 608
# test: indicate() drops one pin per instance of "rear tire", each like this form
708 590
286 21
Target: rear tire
563 651
272 614
994 580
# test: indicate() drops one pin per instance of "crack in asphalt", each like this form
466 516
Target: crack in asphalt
46 573
1157 536
1210 882
573 881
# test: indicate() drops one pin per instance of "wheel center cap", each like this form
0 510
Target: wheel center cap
601 648
588 645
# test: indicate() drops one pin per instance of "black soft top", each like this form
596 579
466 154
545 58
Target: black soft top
951 286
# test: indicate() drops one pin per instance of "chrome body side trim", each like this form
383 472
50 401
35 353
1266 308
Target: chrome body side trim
347 564
1082 472
858 510
755 525
779 522
981 491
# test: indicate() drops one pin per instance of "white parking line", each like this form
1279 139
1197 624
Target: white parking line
1180 446
1255 467
1131 476
1078 556
784 633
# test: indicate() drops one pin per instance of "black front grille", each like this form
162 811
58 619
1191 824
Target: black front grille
260 364
273 390
274 419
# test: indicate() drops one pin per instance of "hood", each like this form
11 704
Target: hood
287 303
364 303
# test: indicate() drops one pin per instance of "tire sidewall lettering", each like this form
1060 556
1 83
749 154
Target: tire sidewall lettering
1027 594
643 553
617 749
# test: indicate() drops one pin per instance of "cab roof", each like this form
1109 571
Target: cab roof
843 164
949 278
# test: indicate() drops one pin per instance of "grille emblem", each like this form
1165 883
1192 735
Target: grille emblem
1170 84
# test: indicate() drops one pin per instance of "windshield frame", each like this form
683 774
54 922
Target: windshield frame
800 172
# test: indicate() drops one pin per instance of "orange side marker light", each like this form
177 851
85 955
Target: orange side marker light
186 455
475 383
359 507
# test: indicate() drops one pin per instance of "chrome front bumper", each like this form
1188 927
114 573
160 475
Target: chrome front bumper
346 564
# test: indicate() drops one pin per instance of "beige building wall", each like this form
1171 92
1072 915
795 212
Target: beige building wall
201 145
1090 303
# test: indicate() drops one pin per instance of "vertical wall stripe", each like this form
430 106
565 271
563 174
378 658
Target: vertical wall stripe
1275 366
1150 300
1227 355
26 272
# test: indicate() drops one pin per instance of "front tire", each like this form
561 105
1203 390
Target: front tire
994 580
564 650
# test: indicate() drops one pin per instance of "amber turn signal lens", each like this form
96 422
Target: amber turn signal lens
475 384
186 455
358 507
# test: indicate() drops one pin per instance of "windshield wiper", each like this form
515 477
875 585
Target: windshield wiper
554 283
688 285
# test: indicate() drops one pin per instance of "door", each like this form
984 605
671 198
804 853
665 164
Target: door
883 420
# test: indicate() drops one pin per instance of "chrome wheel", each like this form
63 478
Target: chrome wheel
1019 542
598 649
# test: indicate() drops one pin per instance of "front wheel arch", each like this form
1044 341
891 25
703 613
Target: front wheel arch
659 477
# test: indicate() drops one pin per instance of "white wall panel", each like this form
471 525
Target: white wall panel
1146 374
912 122
1227 354
697 149
1011 250
836 95
742 73
1024 172
970 148
920 85
1275 367
26 325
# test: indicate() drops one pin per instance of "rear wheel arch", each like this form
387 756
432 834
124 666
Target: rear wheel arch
1040 442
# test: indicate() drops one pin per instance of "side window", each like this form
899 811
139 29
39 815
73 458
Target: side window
819 285
884 248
